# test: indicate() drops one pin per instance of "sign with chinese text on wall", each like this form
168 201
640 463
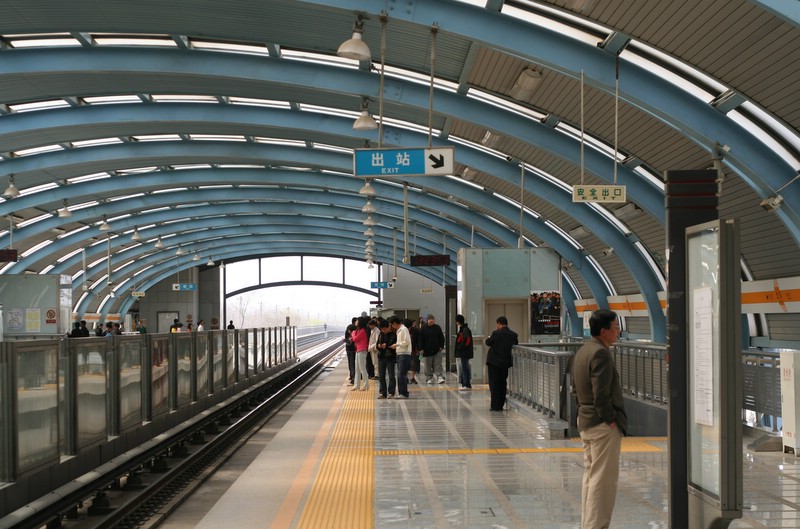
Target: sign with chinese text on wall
403 162
598 193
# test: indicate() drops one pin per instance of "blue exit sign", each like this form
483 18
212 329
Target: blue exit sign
403 162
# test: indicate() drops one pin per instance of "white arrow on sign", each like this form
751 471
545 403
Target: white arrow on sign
439 161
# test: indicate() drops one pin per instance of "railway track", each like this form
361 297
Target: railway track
140 488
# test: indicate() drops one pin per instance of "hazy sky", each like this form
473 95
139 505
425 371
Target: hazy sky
305 304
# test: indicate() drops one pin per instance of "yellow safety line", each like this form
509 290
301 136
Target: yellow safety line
288 509
342 495
629 444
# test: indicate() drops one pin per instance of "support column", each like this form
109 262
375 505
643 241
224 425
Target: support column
691 198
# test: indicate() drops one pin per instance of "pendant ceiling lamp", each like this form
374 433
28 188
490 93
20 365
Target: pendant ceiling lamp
355 47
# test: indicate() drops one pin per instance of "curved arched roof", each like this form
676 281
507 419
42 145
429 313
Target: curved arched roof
226 131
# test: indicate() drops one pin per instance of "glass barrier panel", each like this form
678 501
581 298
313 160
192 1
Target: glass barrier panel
37 405
6 441
91 375
230 357
252 343
201 363
218 359
183 359
131 363
241 337
159 368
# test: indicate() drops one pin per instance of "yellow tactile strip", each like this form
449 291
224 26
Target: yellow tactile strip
342 495
629 444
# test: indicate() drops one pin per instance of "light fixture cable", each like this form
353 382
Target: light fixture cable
616 118
434 31
582 129
384 20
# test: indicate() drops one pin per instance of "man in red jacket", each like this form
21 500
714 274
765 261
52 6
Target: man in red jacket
464 353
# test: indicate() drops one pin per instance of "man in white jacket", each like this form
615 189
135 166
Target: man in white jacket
374 332
403 349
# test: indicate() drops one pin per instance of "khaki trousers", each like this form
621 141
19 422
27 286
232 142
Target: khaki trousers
601 448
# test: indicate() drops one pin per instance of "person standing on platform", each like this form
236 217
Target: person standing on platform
231 326
601 419
360 339
431 343
372 357
99 330
387 360
141 327
350 349
464 352
413 331
201 325
499 361
403 349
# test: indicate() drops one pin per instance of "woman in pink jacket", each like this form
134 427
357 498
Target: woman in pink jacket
360 338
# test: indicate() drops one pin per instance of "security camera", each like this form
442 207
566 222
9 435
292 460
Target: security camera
394 278
772 203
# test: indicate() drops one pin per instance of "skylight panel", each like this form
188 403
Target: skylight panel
779 128
40 188
88 178
333 148
170 190
567 237
124 197
158 137
96 142
268 103
166 42
69 255
410 126
217 137
419 78
550 23
303 107
230 47
504 104
39 105
279 141
38 150
667 75
44 42
318 58
106 100
187 166
183 98
36 248
137 170
33 220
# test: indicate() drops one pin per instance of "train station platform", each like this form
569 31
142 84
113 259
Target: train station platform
347 460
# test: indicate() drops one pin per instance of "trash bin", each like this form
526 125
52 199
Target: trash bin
790 399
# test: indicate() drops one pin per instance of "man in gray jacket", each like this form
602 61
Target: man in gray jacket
601 419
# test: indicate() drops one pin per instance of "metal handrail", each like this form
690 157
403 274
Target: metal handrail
539 371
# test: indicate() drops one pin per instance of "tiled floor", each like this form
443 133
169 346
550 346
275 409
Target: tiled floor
443 460
470 488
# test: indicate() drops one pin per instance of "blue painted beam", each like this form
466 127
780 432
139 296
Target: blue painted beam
763 169
193 64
